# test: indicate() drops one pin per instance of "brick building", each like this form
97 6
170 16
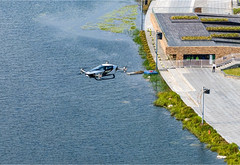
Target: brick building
221 43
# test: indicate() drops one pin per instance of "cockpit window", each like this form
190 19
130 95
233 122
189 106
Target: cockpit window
100 67
109 68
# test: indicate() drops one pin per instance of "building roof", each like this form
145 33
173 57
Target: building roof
174 30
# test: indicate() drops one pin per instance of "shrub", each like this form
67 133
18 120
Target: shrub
225 35
224 28
205 133
236 10
184 17
196 38
214 19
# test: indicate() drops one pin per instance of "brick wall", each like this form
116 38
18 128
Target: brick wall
156 27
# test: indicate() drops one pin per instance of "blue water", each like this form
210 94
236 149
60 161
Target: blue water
51 114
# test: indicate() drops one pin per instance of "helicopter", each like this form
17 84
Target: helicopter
102 70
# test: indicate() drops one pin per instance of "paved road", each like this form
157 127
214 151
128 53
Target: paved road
222 105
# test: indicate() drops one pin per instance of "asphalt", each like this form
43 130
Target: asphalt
221 106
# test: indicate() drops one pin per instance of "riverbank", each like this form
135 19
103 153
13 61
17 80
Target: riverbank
190 119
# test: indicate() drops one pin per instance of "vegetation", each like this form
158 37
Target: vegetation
224 28
191 121
214 19
203 38
236 10
157 81
234 71
184 17
117 21
225 35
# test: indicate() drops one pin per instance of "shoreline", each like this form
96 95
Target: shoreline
190 119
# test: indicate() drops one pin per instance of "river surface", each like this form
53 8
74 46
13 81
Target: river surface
51 114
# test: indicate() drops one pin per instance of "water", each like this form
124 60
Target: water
51 114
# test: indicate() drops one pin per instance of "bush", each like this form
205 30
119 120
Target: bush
224 28
214 19
203 38
184 17
225 35
236 10
191 121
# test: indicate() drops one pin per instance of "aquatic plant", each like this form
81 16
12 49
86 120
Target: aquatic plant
117 21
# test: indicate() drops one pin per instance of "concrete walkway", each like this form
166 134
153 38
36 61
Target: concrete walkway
222 105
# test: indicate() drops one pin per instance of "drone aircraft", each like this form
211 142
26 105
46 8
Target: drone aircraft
103 70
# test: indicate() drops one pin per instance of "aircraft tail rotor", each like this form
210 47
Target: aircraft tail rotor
124 69
82 71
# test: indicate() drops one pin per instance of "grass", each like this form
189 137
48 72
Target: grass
157 81
191 121
234 71
187 17
172 101
236 10
214 19
224 28
203 38
225 35
214 35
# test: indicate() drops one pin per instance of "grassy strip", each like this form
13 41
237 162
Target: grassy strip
234 71
236 10
214 19
203 38
188 17
207 38
223 28
191 121
225 35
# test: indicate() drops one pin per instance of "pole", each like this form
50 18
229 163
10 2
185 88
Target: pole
156 50
202 105
141 14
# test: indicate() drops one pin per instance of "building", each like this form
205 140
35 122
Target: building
204 36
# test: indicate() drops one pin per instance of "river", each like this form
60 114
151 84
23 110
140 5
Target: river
50 114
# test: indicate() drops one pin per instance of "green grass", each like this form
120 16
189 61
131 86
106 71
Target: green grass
224 28
203 38
214 19
225 35
234 71
236 10
191 121
188 17
157 81
214 35
172 101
